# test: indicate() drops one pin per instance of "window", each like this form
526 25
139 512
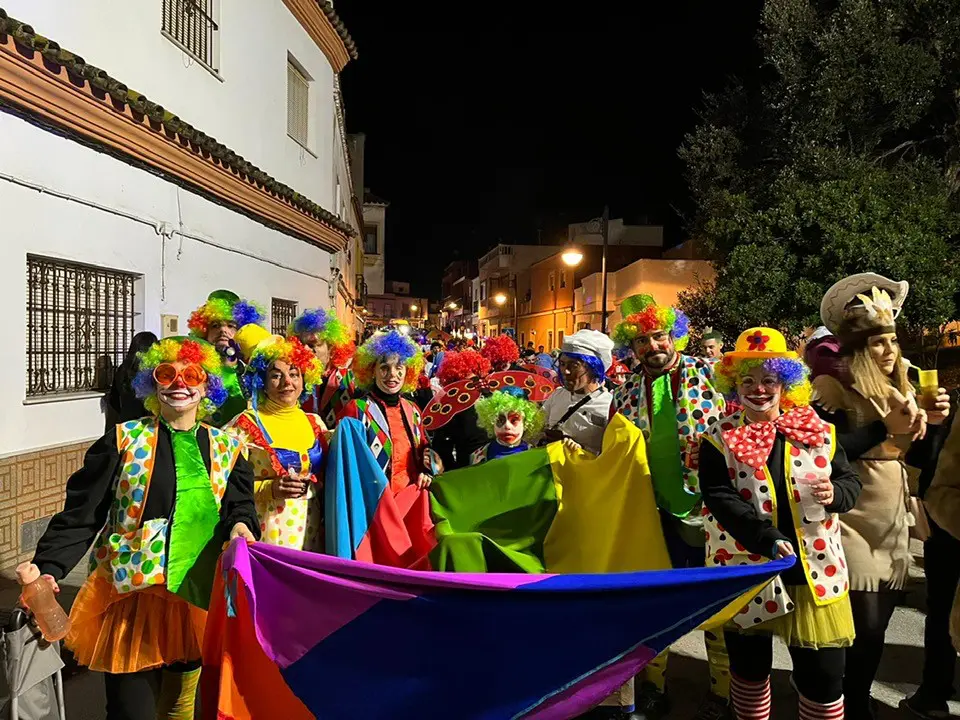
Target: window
370 240
483 292
559 338
563 278
549 340
388 310
282 314
298 104
553 281
79 325
191 24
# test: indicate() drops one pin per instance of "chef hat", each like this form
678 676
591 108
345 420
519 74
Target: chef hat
591 343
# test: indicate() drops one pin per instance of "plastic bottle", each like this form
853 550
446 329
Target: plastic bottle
40 599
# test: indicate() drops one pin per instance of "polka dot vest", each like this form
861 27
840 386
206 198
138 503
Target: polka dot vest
130 553
821 554
699 407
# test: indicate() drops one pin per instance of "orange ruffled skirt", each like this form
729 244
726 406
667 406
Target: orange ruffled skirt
135 631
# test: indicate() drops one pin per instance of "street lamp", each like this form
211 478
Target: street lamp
500 298
572 255
603 225
413 308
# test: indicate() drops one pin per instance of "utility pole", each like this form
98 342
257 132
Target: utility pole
604 223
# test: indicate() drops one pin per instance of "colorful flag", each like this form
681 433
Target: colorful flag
303 636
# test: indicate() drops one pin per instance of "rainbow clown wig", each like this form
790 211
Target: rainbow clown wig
766 348
642 315
187 350
262 350
327 328
507 400
500 350
224 306
382 345
457 366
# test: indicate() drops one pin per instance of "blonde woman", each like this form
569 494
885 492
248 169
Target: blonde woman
884 431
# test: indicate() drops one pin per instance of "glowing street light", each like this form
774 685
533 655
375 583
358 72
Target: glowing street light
451 306
500 298
572 256
413 308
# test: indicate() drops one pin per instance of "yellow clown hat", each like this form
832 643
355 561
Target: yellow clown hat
249 337
761 343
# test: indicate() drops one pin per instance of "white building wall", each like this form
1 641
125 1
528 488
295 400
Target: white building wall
245 108
374 271
178 272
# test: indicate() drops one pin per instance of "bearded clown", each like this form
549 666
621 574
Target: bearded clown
671 398
386 366
327 337
511 420
774 479
217 322
286 445
157 498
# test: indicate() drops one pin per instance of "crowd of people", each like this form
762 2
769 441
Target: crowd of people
753 454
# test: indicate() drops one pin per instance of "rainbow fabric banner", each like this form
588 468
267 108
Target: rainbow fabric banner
302 636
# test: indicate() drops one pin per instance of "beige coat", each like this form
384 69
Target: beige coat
943 503
876 533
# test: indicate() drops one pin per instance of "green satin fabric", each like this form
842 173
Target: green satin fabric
236 402
195 544
663 452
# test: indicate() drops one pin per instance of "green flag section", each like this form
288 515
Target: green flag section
552 510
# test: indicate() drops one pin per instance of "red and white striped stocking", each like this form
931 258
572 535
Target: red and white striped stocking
751 700
810 710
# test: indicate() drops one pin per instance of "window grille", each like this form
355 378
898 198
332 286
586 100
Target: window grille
298 98
80 321
282 313
191 24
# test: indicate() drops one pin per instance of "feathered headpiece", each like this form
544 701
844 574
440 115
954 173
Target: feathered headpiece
261 350
506 400
866 316
224 306
188 350
642 315
384 345
328 328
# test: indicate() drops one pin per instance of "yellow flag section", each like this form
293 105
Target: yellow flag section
607 519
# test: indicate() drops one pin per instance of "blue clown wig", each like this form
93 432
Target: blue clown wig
593 363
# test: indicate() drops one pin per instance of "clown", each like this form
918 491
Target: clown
774 479
511 419
387 365
578 411
672 400
501 351
617 375
160 495
712 343
217 321
326 336
456 441
286 444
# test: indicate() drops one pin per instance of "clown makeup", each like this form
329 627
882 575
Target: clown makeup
655 350
178 401
759 392
221 333
319 347
284 384
885 351
509 429
712 349
390 374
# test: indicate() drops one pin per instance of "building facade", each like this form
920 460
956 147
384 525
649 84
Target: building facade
457 296
374 242
499 303
200 148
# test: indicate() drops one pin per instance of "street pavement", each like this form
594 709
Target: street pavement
687 671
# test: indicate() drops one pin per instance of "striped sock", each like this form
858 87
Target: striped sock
751 700
810 710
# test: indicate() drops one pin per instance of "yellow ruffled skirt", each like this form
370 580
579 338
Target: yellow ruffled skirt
135 631
810 625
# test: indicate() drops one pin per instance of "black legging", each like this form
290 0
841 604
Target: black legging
134 696
871 616
818 674
941 564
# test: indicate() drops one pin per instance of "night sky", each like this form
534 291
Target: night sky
489 122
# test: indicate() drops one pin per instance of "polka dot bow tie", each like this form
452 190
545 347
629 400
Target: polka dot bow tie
751 444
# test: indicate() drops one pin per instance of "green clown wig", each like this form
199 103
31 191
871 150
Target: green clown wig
508 400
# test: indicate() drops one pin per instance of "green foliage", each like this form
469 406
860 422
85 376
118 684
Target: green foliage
844 159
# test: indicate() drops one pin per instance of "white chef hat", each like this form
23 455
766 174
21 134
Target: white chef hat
590 343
